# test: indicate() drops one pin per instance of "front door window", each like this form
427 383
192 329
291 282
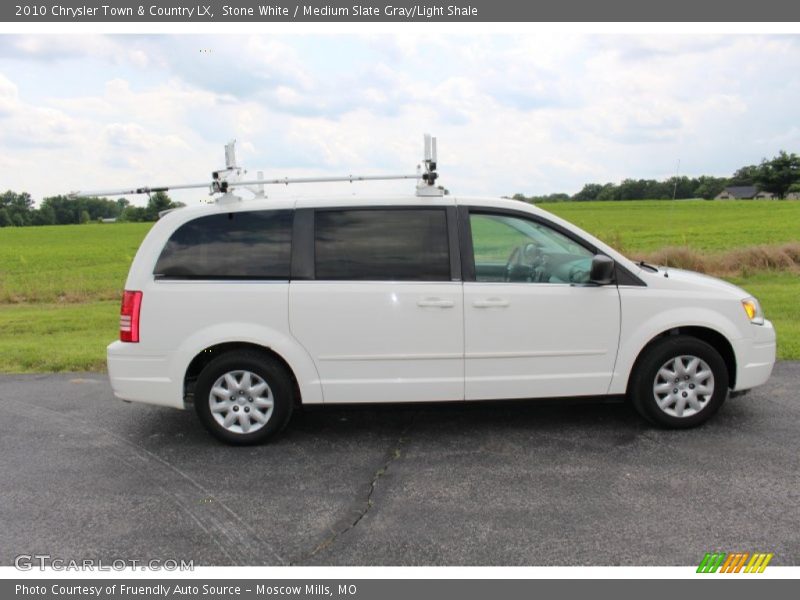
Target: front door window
513 249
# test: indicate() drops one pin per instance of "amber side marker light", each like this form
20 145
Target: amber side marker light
753 310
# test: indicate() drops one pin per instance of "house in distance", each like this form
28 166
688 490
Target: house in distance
742 192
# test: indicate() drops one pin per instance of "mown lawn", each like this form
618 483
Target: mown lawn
56 337
60 285
711 225
67 263
778 294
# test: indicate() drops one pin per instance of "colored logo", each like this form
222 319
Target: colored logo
734 562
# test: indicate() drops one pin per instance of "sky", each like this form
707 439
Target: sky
530 113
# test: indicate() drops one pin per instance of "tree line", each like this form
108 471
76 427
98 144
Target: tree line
778 176
18 210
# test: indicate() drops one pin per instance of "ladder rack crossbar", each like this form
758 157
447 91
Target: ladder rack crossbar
138 190
343 179
235 184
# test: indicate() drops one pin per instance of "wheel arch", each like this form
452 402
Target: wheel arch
205 356
712 337
207 344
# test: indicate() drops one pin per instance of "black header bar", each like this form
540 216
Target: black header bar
123 11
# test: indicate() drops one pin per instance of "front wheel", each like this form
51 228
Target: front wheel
244 397
679 382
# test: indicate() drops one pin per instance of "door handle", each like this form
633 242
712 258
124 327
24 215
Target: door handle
491 303
436 303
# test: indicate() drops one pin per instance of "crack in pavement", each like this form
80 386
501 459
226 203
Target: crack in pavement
393 454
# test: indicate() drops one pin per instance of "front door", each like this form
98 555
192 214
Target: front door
534 327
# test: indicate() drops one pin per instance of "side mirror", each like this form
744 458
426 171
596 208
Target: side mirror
602 272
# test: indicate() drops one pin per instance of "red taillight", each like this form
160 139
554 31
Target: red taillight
129 316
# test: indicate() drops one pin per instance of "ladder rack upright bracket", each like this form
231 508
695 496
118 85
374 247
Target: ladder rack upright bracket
426 186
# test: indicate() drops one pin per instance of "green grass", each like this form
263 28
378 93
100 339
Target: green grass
60 285
67 263
646 225
778 294
56 337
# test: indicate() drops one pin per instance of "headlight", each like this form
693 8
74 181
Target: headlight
753 310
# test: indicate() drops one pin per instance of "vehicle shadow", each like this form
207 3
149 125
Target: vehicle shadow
451 421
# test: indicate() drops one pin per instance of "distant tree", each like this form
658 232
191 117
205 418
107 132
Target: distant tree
679 187
557 197
609 192
744 176
5 220
99 208
18 206
638 189
45 215
85 218
63 207
134 214
777 175
589 192
709 187
69 210
158 202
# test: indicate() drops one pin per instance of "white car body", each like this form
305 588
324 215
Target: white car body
409 341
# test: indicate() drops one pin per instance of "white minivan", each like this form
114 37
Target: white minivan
248 309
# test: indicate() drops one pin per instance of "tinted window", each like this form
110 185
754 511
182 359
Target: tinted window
382 244
240 245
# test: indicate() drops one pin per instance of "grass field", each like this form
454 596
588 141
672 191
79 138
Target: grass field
67 263
713 226
57 337
60 285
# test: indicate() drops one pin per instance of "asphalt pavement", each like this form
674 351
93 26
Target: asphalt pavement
84 475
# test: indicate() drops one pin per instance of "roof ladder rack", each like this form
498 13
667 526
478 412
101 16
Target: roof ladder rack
232 177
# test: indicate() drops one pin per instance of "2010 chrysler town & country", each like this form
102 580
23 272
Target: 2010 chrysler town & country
246 309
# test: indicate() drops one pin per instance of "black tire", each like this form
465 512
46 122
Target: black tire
642 388
279 387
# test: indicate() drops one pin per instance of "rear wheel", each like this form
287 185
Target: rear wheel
244 397
679 382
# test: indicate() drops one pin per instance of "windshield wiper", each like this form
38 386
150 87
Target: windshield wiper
647 266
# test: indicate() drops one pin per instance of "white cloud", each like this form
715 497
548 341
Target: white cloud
25 127
56 48
131 136
513 113
9 95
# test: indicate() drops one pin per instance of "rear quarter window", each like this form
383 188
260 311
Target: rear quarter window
237 245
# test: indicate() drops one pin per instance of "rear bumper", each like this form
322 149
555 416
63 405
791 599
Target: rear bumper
755 357
139 377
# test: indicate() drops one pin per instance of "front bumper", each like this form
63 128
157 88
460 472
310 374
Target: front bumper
755 357
138 377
